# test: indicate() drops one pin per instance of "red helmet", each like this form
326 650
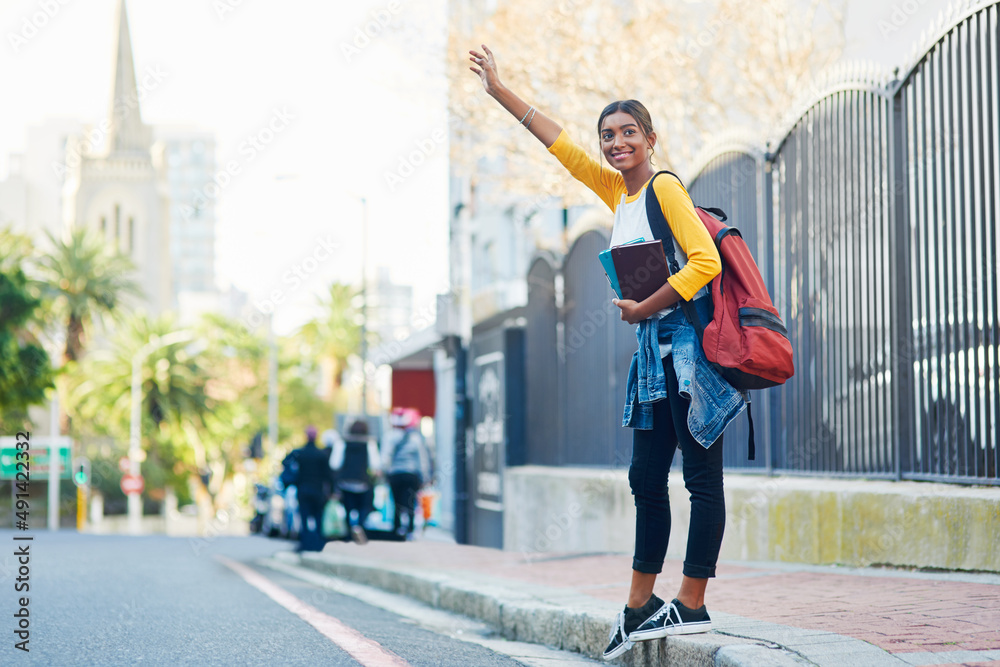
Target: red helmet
404 418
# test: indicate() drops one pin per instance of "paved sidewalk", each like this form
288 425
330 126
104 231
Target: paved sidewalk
763 613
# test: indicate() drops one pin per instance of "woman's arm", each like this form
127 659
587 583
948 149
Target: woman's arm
544 128
634 312
703 261
605 183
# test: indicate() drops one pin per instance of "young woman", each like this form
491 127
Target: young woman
627 139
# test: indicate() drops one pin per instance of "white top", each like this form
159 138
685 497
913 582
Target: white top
332 439
631 222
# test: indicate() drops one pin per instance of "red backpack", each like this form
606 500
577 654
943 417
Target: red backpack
745 340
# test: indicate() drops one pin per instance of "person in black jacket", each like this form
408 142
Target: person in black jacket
314 483
356 463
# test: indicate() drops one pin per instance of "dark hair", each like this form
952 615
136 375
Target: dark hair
633 108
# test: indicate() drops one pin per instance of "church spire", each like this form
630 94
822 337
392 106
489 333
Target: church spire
126 131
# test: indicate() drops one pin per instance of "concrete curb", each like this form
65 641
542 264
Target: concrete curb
559 618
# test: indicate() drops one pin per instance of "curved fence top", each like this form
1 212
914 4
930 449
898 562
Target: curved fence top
947 21
849 76
732 141
583 233
554 260
860 76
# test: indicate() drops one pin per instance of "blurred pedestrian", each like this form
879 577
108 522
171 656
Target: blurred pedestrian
663 417
409 467
314 483
356 465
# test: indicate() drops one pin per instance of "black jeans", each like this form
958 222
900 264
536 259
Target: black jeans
311 512
405 486
652 454
360 501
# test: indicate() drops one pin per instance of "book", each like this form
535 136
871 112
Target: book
635 269
609 267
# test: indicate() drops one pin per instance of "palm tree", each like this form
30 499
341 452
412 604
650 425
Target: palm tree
199 409
176 405
87 280
336 334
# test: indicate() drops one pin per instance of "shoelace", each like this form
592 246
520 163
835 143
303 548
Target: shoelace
666 609
620 625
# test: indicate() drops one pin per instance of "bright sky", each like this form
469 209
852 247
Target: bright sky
359 104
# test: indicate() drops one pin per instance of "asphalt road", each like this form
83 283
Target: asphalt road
117 600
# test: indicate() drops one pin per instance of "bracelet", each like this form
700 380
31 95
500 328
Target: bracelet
528 126
521 122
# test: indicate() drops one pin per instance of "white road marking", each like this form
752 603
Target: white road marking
366 651
436 620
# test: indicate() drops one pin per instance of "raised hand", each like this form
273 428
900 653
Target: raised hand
486 68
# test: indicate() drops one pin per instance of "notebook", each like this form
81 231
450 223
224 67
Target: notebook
609 266
635 269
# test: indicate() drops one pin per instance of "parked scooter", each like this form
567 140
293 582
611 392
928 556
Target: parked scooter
261 506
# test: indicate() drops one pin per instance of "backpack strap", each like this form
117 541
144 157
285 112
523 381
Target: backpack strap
661 231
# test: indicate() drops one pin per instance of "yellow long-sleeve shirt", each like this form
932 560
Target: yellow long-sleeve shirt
702 258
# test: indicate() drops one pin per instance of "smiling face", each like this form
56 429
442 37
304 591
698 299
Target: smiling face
623 142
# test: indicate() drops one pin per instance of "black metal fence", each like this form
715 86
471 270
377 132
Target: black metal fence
874 220
949 144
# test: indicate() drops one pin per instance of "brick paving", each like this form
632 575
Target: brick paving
899 614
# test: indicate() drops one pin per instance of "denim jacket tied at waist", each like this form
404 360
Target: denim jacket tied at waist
713 401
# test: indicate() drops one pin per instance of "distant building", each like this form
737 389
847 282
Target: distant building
120 189
144 188
189 156
390 308
31 196
13 196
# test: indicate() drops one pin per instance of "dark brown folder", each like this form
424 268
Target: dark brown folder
641 268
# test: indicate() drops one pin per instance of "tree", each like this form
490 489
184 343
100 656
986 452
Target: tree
239 385
771 60
25 369
563 58
202 401
175 407
88 281
684 62
336 334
